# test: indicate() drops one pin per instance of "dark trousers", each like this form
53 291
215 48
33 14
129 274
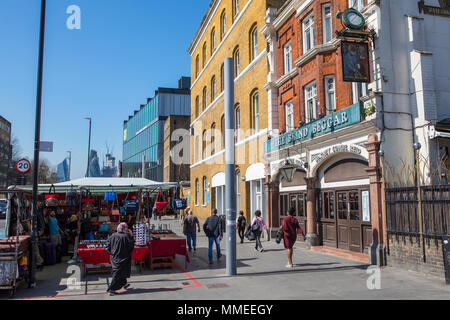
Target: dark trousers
258 242
117 282
241 232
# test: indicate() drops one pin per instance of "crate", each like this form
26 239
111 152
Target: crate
162 262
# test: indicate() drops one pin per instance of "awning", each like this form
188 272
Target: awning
102 185
255 172
218 180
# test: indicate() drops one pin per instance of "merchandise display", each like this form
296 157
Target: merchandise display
141 234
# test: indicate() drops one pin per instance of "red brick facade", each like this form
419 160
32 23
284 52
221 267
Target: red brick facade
324 63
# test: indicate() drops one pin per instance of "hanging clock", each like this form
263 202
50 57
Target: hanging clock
353 19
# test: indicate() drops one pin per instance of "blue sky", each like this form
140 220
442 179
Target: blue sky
124 51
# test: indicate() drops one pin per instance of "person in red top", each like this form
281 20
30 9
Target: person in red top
291 229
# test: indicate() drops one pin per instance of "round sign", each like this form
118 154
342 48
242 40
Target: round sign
23 166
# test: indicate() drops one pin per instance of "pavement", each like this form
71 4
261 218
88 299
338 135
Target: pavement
261 276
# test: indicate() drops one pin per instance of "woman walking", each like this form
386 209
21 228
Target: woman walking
257 225
291 228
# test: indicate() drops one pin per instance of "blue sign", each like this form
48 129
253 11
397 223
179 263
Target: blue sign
338 120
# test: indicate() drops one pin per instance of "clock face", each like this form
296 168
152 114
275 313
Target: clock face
353 19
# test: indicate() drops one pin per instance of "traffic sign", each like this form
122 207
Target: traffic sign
23 166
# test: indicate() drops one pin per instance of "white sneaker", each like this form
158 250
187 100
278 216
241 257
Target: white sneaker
289 266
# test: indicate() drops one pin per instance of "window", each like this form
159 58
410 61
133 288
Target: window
253 43
213 41
213 139
255 111
205 139
287 57
204 54
204 98
222 78
330 94
308 33
238 123
213 88
238 191
359 89
311 102
197 106
222 132
235 8
197 149
236 62
223 26
327 23
205 191
197 192
197 66
356 4
289 116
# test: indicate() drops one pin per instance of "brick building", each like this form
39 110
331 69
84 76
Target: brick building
229 29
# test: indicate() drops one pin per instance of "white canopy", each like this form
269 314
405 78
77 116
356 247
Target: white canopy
101 185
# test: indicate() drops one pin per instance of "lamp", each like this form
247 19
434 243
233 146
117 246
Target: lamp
288 171
417 146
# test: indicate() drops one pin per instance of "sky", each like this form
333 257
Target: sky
123 52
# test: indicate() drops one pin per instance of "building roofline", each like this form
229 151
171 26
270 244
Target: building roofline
213 4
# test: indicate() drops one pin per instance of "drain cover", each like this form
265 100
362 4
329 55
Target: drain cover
217 286
185 283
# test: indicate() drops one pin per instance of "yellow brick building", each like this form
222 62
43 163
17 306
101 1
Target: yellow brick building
229 29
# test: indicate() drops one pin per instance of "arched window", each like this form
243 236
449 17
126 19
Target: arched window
222 131
235 9
197 192
238 123
253 42
223 25
238 191
204 54
205 97
213 88
222 78
197 149
197 66
205 191
236 62
204 143
197 107
213 139
213 41
254 102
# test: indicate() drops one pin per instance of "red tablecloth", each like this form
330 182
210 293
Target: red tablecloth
100 256
168 247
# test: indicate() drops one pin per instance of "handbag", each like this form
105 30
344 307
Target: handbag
72 198
160 204
110 196
51 199
87 198
131 205
104 212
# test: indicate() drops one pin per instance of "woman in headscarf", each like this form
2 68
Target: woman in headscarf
120 246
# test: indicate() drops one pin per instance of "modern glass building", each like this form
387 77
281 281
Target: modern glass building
143 132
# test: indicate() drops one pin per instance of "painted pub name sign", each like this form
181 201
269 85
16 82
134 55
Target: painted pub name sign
335 121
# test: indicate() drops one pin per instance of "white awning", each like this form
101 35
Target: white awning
255 172
218 180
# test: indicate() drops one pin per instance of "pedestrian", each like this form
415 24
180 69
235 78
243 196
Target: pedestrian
258 224
54 229
241 224
213 230
184 215
189 229
120 246
291 229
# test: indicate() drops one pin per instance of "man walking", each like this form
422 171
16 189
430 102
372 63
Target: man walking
241 224
120 246
213 230
189 229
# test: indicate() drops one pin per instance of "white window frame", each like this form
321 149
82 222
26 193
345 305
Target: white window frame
327 20
237 63
289 108
238 191
356 4
311 96
330 103
238 123
236 8
205 191
197 192
308 28
255 103
287 57
359 89
255 43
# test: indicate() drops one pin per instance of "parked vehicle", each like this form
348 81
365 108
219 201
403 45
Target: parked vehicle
3 204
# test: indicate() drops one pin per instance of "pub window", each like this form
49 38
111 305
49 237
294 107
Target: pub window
330 94
289 116
311 102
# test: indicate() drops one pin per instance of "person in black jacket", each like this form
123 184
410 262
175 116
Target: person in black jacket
120 246
213 230
241 224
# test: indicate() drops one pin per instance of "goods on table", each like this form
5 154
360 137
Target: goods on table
141 234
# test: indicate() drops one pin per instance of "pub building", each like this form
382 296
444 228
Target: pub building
322 153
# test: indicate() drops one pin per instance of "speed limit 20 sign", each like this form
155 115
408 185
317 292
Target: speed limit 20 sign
23 166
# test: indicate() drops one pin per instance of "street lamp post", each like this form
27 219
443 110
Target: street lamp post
37 139
89 147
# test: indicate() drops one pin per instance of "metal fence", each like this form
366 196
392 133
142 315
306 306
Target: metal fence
402 211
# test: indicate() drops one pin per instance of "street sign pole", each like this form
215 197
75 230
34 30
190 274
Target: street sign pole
230 167
37 139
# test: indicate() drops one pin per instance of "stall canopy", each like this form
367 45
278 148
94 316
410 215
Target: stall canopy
101 185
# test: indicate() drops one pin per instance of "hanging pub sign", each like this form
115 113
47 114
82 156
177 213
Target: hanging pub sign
443 10
355 61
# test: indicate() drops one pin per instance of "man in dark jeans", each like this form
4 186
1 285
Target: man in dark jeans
213 230
241 225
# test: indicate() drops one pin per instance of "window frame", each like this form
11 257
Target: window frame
287 54
327 94
312 87
325 19
205 191
308 28
289 104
